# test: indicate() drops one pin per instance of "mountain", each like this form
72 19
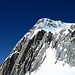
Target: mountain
47 49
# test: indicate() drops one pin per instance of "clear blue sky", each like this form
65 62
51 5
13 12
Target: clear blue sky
17 17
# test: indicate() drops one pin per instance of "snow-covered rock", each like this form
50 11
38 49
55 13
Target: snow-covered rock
47 49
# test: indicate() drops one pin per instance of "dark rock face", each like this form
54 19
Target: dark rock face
8 65
26 52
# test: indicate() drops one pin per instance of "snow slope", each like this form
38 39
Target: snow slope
50 68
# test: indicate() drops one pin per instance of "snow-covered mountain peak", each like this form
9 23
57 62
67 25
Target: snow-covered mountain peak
49 22
52 25
42 49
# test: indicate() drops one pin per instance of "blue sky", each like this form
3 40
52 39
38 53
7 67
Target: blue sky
18 16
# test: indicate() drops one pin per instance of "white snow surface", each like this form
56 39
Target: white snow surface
50 68
53 30
59 25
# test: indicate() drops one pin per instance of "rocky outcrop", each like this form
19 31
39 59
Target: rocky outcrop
28 54
64 45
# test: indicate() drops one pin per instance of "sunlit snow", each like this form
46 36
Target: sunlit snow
50 68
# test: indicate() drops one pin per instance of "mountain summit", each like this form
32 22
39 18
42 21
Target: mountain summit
47 49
